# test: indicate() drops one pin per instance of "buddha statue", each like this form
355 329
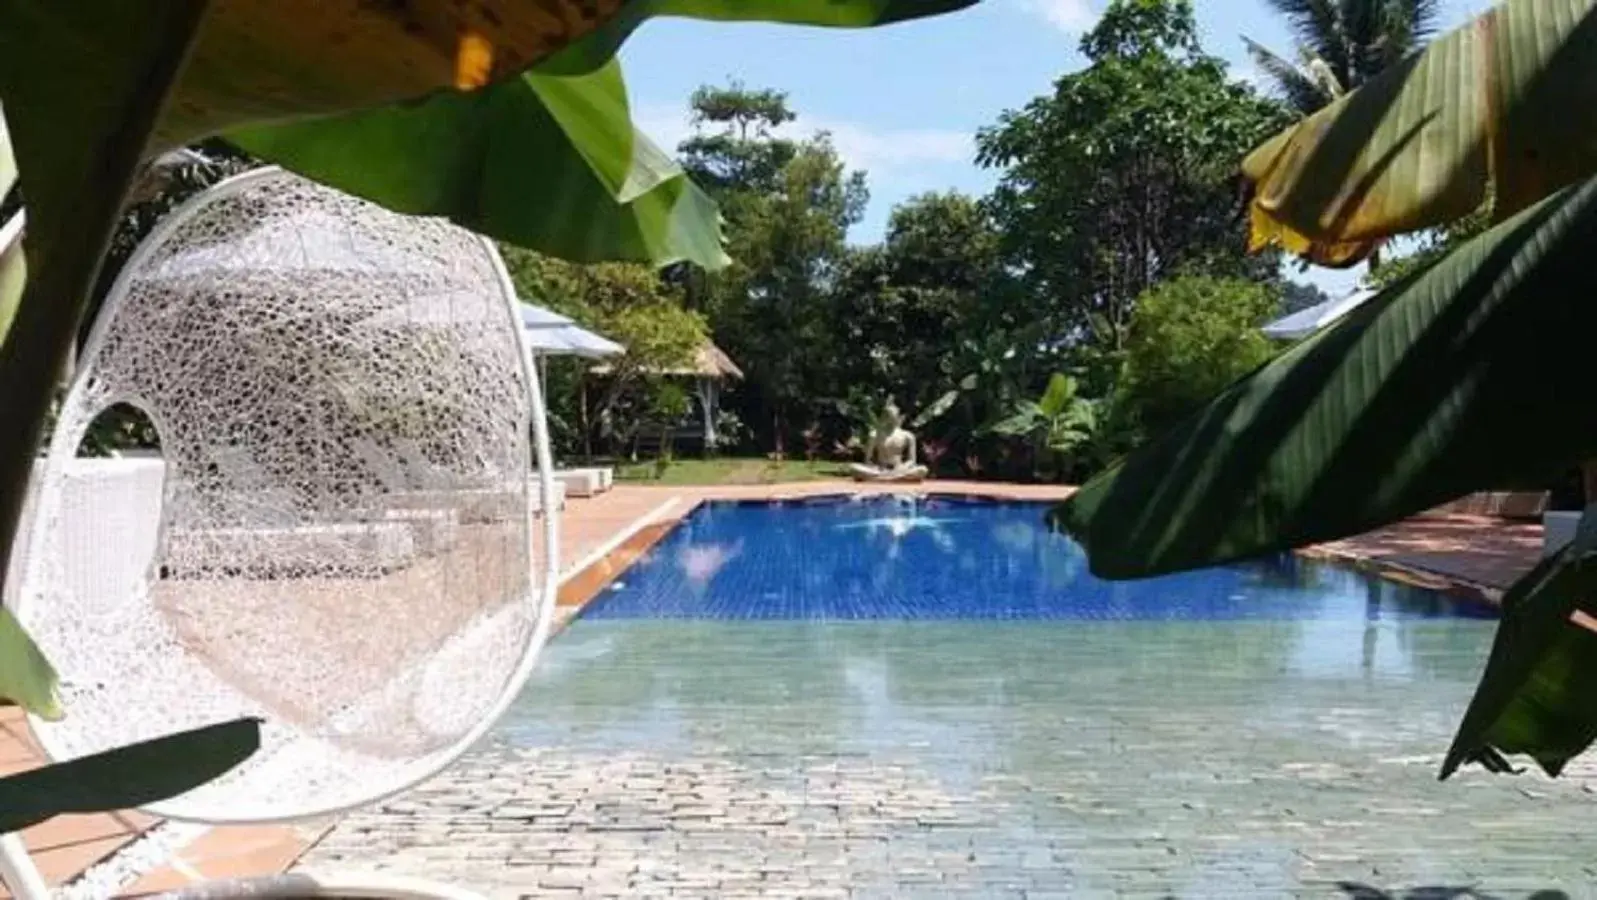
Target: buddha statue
890 455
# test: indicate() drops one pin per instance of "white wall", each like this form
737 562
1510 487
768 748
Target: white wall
111 513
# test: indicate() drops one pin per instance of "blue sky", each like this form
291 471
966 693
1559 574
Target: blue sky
903 102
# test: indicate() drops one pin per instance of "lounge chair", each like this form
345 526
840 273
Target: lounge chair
585 482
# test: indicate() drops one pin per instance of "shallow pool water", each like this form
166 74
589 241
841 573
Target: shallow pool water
826 695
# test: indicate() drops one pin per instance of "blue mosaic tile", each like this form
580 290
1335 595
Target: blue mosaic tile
951 557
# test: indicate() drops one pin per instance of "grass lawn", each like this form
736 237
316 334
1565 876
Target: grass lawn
730 471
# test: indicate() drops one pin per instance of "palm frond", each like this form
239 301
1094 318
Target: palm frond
1317 24
1296 86
1405 26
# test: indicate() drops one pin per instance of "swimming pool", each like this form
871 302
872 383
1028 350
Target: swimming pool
949 557
934 699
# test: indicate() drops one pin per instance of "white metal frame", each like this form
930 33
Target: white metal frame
17 869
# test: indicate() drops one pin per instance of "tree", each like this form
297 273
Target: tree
1190 338
903 308
788 207
1124 173
1296 296
1468 373
627 303
734 148
1341 45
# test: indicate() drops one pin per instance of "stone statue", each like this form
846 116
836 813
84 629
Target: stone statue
890 456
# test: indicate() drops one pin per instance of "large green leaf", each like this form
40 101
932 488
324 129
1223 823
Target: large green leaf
1505 105
13 269
1028 416
26 677
1058 396
126 777
261 62
602 43
1463 377
8 163
544 161
936 409
1538 695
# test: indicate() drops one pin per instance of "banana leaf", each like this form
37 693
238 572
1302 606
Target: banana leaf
544 161
1538 695
259 61
1503 107
8 163
26 676
603 42
1465 376
13 267
126 777
79 117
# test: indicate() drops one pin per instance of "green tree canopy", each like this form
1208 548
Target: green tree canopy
901 307
631 305
626 302
1125 173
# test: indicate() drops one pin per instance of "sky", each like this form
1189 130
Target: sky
903 102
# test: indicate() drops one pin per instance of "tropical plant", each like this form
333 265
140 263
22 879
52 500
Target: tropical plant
1458 377
1059 422
517 127
1341 44
1190 337
668 403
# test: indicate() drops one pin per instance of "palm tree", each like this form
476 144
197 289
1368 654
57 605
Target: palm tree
1341 44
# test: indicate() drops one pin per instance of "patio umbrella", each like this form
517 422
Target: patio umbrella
536 317
586 343
1305 322
551 334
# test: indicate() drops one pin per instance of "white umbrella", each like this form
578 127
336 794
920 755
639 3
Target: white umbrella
586 343
552 334
1305 322
538 317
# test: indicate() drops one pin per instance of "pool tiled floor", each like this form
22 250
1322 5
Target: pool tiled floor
1128 760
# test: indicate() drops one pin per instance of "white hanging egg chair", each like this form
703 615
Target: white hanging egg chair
339 537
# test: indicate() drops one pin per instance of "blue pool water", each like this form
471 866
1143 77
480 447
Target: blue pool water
942 558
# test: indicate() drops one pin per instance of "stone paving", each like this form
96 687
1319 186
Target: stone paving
888 760
550 823
554 824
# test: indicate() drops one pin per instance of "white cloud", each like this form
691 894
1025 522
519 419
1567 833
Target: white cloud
1069 16
884 153
881 151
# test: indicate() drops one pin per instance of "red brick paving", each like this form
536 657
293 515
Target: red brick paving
1481 552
